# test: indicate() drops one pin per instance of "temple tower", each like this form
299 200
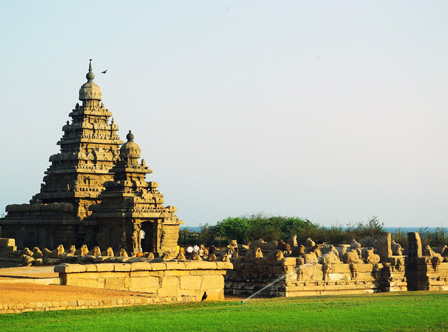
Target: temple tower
89 148
91 174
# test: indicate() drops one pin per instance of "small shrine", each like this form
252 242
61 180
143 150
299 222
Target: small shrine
94 192
131 207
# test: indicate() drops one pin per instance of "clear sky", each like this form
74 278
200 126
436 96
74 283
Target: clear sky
331 111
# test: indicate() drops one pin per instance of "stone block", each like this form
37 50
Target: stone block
81 282
364 276
141 266
212 282
224 265
86 275
414 247
178 273
214 295
115 283
122 267
139 274
170 282
191 282
158 266
60 268
289 261
91 267
75 268
105 267
127 282
168 291
338 276
201 265
384 246
204 272
443 267
157 273
364 267
341 268
105 275
191 292
146 284
176 265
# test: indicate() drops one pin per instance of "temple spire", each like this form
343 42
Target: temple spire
89 90
90 75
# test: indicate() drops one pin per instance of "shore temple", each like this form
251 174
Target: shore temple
94 192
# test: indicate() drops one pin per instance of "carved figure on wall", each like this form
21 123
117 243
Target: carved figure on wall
136 246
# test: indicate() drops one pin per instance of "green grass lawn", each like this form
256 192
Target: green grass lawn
415 311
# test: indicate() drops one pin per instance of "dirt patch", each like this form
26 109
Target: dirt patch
25 293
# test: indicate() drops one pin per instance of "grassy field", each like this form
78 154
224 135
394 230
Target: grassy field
416 311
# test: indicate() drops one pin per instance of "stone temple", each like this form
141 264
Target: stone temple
94 191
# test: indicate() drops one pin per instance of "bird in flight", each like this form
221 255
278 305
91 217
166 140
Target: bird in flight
104 72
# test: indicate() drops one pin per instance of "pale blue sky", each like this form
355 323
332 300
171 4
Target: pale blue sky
332 111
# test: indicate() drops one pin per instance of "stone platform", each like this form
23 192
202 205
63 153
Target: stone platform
77 286
171 279
40 275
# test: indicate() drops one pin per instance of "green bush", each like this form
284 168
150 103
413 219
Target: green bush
188 236
434 239
246 229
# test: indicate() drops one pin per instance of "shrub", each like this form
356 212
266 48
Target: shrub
245 229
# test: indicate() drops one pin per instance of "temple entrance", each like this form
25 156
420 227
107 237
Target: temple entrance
149 242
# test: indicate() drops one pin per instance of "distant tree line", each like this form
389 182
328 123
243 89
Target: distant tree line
246 229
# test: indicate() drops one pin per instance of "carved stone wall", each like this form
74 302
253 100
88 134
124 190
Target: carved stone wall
289 278
289 269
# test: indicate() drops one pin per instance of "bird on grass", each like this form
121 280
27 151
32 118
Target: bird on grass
204 297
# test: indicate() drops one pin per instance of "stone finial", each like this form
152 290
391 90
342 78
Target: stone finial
90 75
89 90
130 136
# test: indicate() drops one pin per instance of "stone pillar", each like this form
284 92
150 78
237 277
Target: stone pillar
384 247
414 253
414 246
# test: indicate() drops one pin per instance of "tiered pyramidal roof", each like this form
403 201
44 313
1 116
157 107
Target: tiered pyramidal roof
89 148
95 192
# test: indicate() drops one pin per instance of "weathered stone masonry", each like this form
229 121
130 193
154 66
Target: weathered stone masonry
173 280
